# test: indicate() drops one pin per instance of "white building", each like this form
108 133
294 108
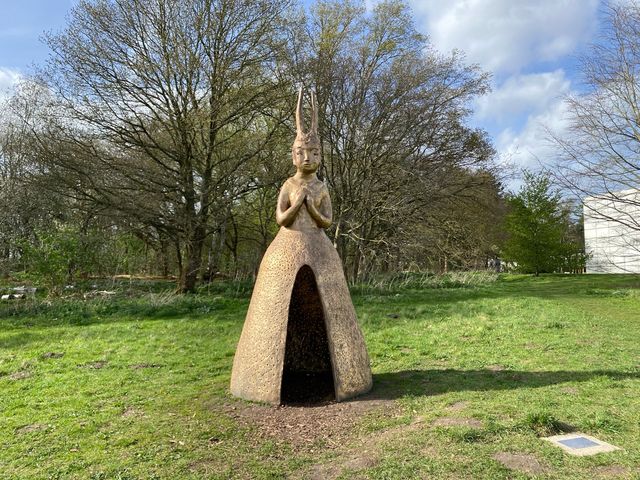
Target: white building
612 232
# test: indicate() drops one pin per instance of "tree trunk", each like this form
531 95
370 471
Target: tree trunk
180 264
356 264
193 254
164 258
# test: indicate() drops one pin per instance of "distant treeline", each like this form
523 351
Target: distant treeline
156 137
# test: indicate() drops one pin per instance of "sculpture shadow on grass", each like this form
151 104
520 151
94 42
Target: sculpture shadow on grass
394 385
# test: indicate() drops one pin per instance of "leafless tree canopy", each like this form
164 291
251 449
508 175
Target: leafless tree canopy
160 106
397 149
599 156
169 122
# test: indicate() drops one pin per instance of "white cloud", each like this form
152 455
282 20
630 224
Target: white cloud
521 109
529 94
8 78
531 147
506 35
511 38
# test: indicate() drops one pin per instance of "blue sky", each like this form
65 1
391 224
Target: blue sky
529 46
22 23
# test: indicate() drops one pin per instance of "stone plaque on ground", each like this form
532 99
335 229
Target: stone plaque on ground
580 444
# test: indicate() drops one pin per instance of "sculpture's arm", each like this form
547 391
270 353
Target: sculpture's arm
286 213
321 215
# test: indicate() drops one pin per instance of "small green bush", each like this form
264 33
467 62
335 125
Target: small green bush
544 424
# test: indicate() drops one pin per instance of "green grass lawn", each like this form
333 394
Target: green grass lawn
136 386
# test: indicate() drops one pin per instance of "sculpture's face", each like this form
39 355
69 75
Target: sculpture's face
306 157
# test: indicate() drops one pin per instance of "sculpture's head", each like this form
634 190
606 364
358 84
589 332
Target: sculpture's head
306 147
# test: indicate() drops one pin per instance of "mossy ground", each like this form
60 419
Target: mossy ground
136 385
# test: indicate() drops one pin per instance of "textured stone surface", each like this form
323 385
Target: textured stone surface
301 333
580 444
259 361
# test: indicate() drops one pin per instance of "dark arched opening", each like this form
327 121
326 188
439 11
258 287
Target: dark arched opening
307 376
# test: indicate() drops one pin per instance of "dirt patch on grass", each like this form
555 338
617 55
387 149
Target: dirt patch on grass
20 375
48 355
458 406
35 427
496 368
132 412
324 471
215 469
570 390
139 366
521 462
361 462
303 426
332 427
457 422
97 365
370 446
360 454
429 451
354 463
613 471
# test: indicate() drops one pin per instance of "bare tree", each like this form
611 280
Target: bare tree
169 120
160 106
392 117
464 232
24 208
599 155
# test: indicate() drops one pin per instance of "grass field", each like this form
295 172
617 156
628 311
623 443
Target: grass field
468 375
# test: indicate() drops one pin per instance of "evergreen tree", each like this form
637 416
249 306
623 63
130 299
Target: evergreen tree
537 226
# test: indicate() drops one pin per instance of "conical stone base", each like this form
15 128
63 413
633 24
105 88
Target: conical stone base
300 327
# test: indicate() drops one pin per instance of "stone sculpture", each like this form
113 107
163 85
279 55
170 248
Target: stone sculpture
301 339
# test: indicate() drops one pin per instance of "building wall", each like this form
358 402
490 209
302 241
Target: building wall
612 232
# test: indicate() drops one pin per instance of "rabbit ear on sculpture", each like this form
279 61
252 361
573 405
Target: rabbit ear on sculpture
307 138
314 113
299 115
